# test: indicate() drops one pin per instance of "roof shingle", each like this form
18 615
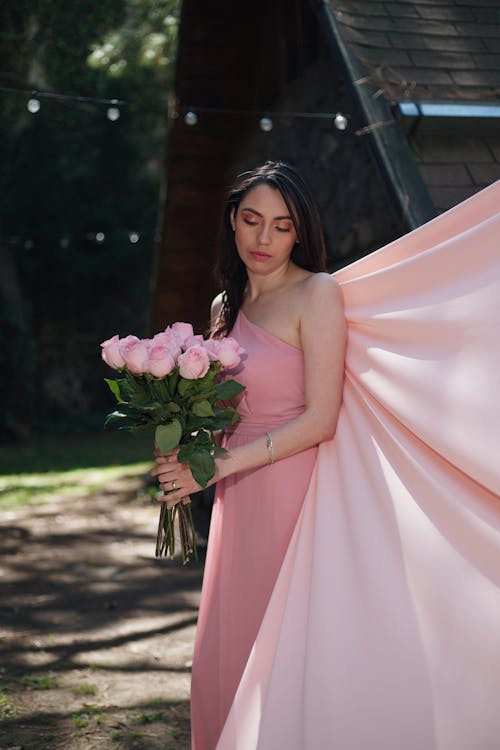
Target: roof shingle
425 49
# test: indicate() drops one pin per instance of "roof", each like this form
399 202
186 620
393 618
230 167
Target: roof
425 49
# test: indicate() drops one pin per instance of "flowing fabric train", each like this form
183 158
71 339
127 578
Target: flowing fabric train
383 628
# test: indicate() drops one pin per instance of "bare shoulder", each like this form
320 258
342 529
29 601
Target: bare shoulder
322 293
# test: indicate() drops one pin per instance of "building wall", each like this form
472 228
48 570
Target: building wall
455 167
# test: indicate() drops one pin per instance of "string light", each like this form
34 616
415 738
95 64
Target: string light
340 121
266 124
191 118
113 113
33 105
114 238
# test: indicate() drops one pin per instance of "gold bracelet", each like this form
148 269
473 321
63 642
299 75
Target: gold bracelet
270 448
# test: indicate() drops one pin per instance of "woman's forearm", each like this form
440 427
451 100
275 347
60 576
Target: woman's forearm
300 433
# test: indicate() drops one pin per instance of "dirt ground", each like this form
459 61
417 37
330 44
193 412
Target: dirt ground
96 636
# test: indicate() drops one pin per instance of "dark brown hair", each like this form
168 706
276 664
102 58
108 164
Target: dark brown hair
308 252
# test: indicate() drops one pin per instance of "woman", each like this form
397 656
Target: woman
378 623
288 316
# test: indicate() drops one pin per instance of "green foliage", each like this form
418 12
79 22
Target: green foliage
187 417
167 436
68 173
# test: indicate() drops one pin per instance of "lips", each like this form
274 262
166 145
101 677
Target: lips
259 256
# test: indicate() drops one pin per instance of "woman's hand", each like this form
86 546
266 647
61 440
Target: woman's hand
175 479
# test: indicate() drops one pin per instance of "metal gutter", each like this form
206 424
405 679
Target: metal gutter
438 117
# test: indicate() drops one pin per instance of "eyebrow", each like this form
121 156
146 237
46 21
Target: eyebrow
257 213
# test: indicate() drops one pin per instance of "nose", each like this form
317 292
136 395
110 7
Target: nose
264 237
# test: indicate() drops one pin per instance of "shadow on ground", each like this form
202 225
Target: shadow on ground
96 636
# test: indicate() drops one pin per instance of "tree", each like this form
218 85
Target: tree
78 193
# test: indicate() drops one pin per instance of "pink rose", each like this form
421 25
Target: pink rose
169 341
135 354
160 362
182 332
194 363
193 341
229 352
211 346
111 353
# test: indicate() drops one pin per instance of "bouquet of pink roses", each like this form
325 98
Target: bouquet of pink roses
172 385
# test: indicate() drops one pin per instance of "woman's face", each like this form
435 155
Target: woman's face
264 230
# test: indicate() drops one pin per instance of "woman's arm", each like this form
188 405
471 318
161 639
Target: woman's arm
323 336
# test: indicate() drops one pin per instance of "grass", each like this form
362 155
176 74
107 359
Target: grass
44 682
148 718
47 453
68 466
88 713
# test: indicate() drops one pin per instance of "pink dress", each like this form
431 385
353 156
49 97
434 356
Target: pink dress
381 628
253 519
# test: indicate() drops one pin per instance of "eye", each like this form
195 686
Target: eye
248 221
283 229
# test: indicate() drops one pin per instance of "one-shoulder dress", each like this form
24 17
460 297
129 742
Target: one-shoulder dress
352 593
253 518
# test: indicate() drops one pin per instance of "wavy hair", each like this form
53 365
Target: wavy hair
308 253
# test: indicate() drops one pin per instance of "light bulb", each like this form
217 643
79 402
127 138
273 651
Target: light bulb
113 114
190 118
33 105
266 124
100 237
133 237
340 121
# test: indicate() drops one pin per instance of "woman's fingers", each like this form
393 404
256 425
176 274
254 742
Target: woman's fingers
172 501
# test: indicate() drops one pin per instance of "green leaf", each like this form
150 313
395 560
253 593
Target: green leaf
149 406
173 379
204 437
114 387
128 388
228 389
173 407
186 387
120 421
223 418
202 409
202 466
167 436
185 452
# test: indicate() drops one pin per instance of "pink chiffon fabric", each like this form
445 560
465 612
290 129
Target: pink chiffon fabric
380 625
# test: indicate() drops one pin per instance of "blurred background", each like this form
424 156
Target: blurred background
79 197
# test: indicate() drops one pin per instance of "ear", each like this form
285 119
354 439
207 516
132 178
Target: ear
232 216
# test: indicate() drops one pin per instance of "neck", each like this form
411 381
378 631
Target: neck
261 285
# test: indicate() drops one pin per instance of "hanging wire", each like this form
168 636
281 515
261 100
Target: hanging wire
36 94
